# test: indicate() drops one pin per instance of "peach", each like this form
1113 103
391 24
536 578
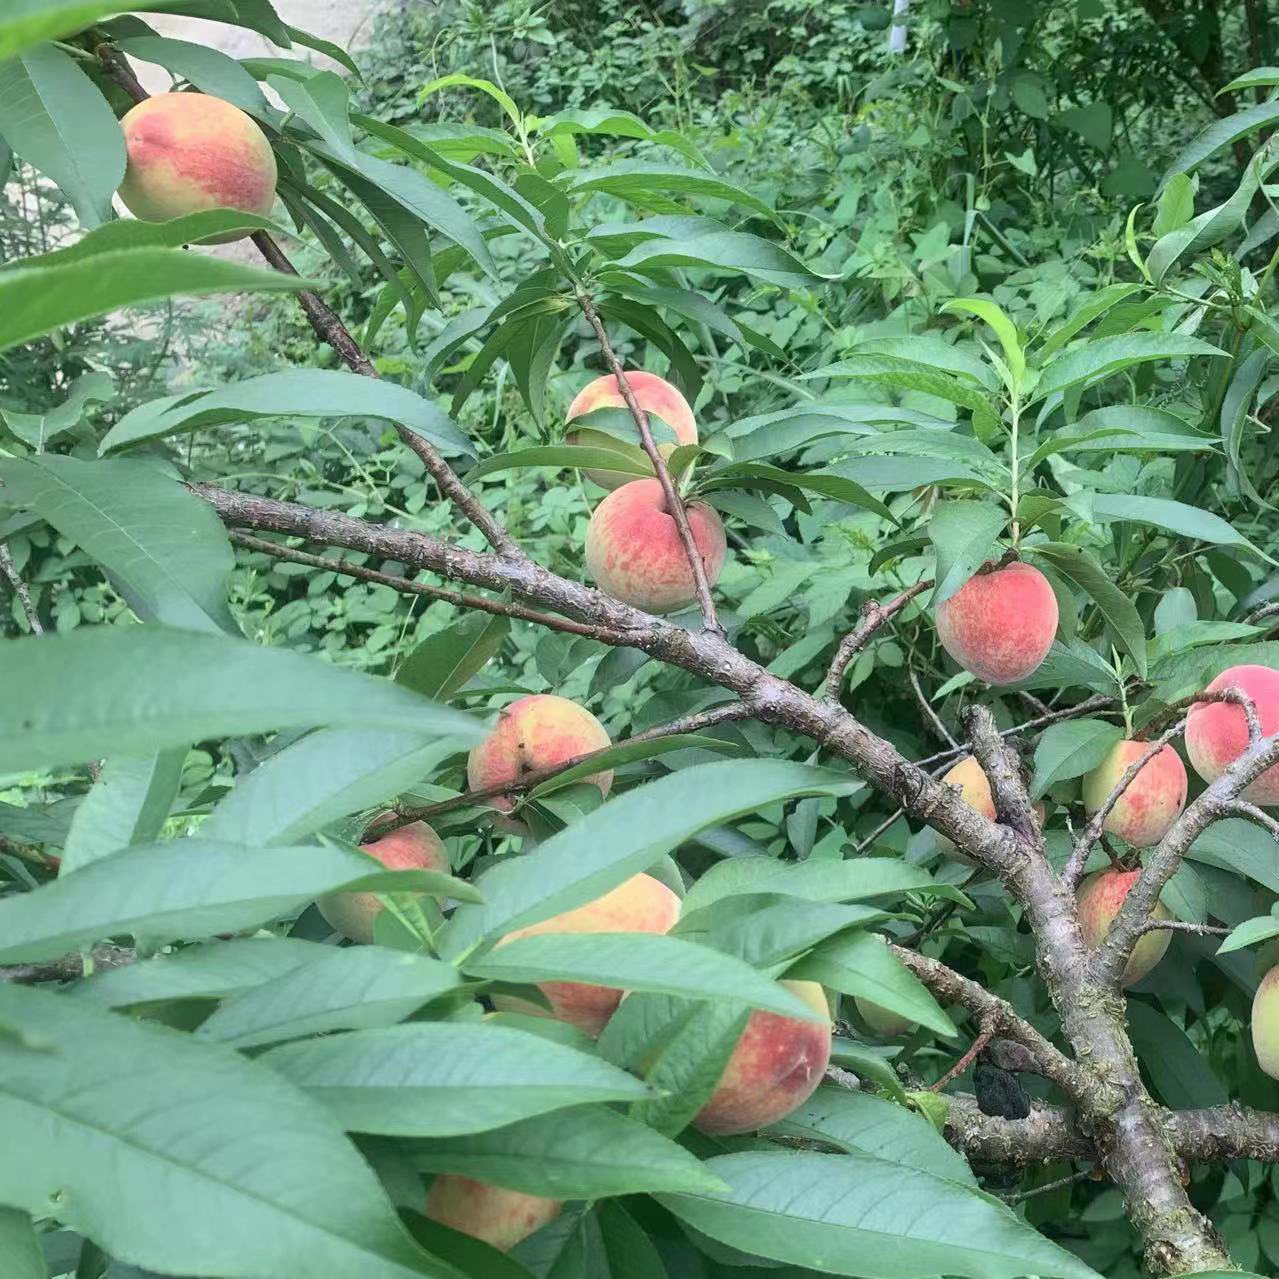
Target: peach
412 847
634 552
654 395
188 152
538 731
1265 1023
1000 625
500 1217
1100 897
640 904
974 790
1217 732
1154 799
776 1065
887 1025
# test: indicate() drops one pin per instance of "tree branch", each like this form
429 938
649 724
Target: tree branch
1003 771
674 503
20 589
67 967
873 616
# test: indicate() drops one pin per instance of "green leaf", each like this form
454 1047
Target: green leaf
1121 615
191 888
639 180
582 457
1250 933
324 776
1181 1075
311 393
20 1255
1175 517
446 1079
229 1148
208 68
458 81
910 375
1101 357
210 971
164 549
861 1124
860 964
56 119
444 662
628 752
1222 133
1240 847
1003 327
1070 750
838 487
726 251
963 535
637 961
126 690
38 299
856 1215
351 988
1095 307
27 22
131 233
324 102
584 1153
1176 205
128 804
626 835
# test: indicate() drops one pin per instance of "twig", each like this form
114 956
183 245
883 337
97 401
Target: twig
1078 859
727 714
463 599
20 589
1183 926
1252 813
931 715
67 967
986 1035
873 616
1082 1175
1260 614
674 503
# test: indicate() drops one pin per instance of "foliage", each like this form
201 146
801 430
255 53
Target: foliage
1014 292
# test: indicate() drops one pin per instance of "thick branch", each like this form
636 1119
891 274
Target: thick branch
873 616
1003 771
68 967
674 503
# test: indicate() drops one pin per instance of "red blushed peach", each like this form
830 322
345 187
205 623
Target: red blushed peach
634 552
654 395
1265 1023
1217 732
500 1217
641 904
1000 625
188 152
777 1064
1100 897
1145 812
412 847
538 731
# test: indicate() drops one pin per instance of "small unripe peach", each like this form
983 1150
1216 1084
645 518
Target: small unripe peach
776 1066
412 847
1217 732
634 552
886 1024
654 395
1265 1023
1000 625
640 904
188 152
498 1216
538 731
1100 897
1145 812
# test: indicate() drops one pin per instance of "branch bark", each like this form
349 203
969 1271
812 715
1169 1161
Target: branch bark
21 590
873 616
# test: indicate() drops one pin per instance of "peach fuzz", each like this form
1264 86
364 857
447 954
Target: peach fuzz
500 1217
1100 897
1145 812
538 731
654 395
1000 625
412 847
776 1065
640 904
1265 1023
634 552
1217 732
188 152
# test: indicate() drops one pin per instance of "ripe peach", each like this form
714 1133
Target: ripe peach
777 1064
887 1025
634 552
498 1216
654 395
412 847
188 152
641 904
1000 625
1217 732
1100 897
538 731
1154 799
1265 1023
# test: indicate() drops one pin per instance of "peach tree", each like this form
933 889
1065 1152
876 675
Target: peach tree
459 968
